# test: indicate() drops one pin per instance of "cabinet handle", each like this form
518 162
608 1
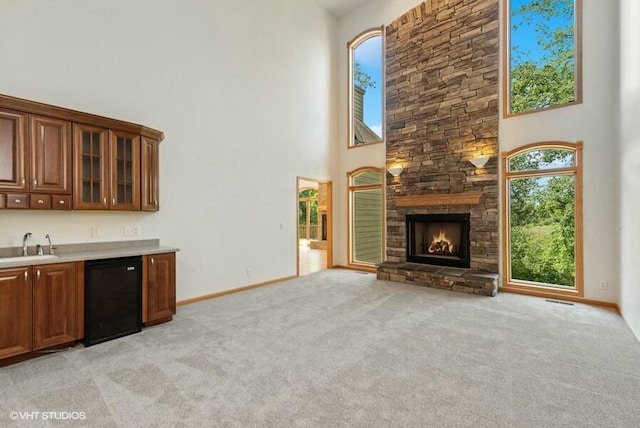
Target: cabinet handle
113 201
38 273
40 201
26 275
61 202
104 201
152 261
35 182
17 201
155 202
23 181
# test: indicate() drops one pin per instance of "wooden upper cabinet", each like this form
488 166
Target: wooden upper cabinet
56 305
150 186
50 151
91 168
125 170
13 165
15 312
82 161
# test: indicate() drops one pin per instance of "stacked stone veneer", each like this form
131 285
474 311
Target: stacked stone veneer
442 61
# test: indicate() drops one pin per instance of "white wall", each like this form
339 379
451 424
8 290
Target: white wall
372 14
244 92
593 122
630 161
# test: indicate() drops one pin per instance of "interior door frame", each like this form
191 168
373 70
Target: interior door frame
329 184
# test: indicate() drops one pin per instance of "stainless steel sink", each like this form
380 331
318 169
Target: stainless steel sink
27 258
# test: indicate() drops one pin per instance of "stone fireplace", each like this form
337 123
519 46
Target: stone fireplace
442 60
438 239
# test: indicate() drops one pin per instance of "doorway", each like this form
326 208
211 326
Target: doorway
314 225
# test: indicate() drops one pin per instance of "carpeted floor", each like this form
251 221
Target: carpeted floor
340 348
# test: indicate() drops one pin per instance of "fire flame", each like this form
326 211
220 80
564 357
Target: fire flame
441 244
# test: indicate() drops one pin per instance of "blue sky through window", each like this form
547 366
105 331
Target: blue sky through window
368 55
525 37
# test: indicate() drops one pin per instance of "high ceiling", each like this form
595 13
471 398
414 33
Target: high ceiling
340 7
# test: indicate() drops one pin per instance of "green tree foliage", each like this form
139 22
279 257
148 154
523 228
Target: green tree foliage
313 207
542 220
362 79
549 79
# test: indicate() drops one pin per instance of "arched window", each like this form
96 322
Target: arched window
542 50
542 221
366 88
366 216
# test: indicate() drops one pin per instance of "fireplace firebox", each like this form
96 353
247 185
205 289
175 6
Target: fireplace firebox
439 239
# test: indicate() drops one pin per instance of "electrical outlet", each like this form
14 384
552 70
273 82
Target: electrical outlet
248 271
604 285
96 232
132 230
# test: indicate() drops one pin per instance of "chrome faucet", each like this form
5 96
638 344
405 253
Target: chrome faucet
24 243
50 246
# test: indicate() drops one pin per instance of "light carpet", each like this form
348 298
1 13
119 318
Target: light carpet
341 348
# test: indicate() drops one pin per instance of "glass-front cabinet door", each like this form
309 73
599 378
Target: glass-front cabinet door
91 168
125 171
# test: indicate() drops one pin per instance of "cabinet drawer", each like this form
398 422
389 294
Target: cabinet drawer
40 202
1 200
17 200
61 202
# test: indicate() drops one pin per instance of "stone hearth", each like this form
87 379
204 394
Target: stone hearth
447 278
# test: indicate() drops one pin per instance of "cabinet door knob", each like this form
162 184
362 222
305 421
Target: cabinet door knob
113 201
40 201
104 201
61 202
23 181
155 202
17 201
35 182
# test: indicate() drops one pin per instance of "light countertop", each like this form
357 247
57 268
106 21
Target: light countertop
82 252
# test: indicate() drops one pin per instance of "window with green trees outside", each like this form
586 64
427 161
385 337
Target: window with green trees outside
543 216
366 88
543 54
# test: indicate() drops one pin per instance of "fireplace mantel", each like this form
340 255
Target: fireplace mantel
466 198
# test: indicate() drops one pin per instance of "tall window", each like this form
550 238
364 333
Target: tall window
366 216
366 88
543 54
543 221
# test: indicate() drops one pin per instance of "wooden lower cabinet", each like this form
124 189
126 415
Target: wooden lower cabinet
159 287
40 307
57 305
15 312
43 306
